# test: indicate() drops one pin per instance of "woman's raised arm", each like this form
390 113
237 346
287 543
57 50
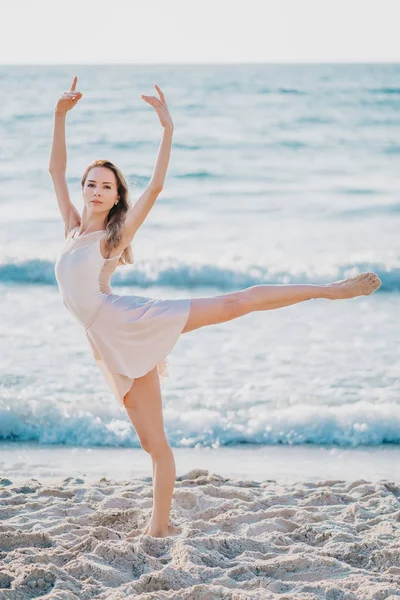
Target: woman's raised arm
144 204
58 158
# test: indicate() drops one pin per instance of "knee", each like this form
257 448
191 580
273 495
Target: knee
236 305
145 445
155 447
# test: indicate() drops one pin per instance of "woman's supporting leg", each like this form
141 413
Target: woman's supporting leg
225 307
143 404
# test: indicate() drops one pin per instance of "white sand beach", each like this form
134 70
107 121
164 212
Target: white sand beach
329 539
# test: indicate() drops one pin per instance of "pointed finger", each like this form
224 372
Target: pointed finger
73 85
151 99
160 92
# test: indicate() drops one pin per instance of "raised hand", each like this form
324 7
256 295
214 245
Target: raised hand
161 107
68 99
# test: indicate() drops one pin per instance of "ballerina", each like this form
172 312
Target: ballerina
130 336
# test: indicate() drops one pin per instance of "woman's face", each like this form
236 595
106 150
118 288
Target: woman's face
100 190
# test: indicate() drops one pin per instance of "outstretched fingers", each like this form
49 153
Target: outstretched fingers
153 100
161 108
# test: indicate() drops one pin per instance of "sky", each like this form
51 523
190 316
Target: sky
199 32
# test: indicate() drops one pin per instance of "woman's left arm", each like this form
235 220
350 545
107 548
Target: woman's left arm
142 207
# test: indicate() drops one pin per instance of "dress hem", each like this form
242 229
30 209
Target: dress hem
161 363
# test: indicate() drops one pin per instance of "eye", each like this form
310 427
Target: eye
91 185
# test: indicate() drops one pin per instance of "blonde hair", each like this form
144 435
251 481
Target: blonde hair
117 213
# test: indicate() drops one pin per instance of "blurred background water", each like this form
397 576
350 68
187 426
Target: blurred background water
278 174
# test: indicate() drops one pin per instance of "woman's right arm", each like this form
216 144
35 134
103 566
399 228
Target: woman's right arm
58 158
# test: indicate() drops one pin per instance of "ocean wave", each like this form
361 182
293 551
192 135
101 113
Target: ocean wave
180 275
316 120
352 425
173 273
282 91
392 149
367 211
384 90
198 175
357 191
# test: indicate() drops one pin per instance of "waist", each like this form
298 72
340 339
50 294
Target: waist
84 309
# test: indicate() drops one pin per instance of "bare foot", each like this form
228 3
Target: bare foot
360 285
169 531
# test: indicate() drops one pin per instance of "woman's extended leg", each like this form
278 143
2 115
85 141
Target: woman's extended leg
143 404
225 307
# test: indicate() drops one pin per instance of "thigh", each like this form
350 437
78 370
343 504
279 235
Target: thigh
217 309
143 404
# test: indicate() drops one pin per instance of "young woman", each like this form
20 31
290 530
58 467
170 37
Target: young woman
131 336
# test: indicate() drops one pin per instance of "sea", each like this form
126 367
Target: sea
279 174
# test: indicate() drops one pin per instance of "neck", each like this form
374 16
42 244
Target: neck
92 222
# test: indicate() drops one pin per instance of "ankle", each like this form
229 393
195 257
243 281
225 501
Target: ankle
157 526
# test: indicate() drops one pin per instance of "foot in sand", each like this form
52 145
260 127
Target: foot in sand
361 285
166 532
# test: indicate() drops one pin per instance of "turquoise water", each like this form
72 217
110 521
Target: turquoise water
278 174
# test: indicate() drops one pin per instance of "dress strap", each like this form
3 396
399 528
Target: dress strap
114 257
71 233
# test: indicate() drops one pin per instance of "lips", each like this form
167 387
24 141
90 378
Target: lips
96 201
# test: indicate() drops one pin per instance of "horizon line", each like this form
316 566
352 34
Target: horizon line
283 62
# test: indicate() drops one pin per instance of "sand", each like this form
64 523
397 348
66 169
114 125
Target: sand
240 539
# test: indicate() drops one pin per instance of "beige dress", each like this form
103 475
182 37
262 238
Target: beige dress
129 335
